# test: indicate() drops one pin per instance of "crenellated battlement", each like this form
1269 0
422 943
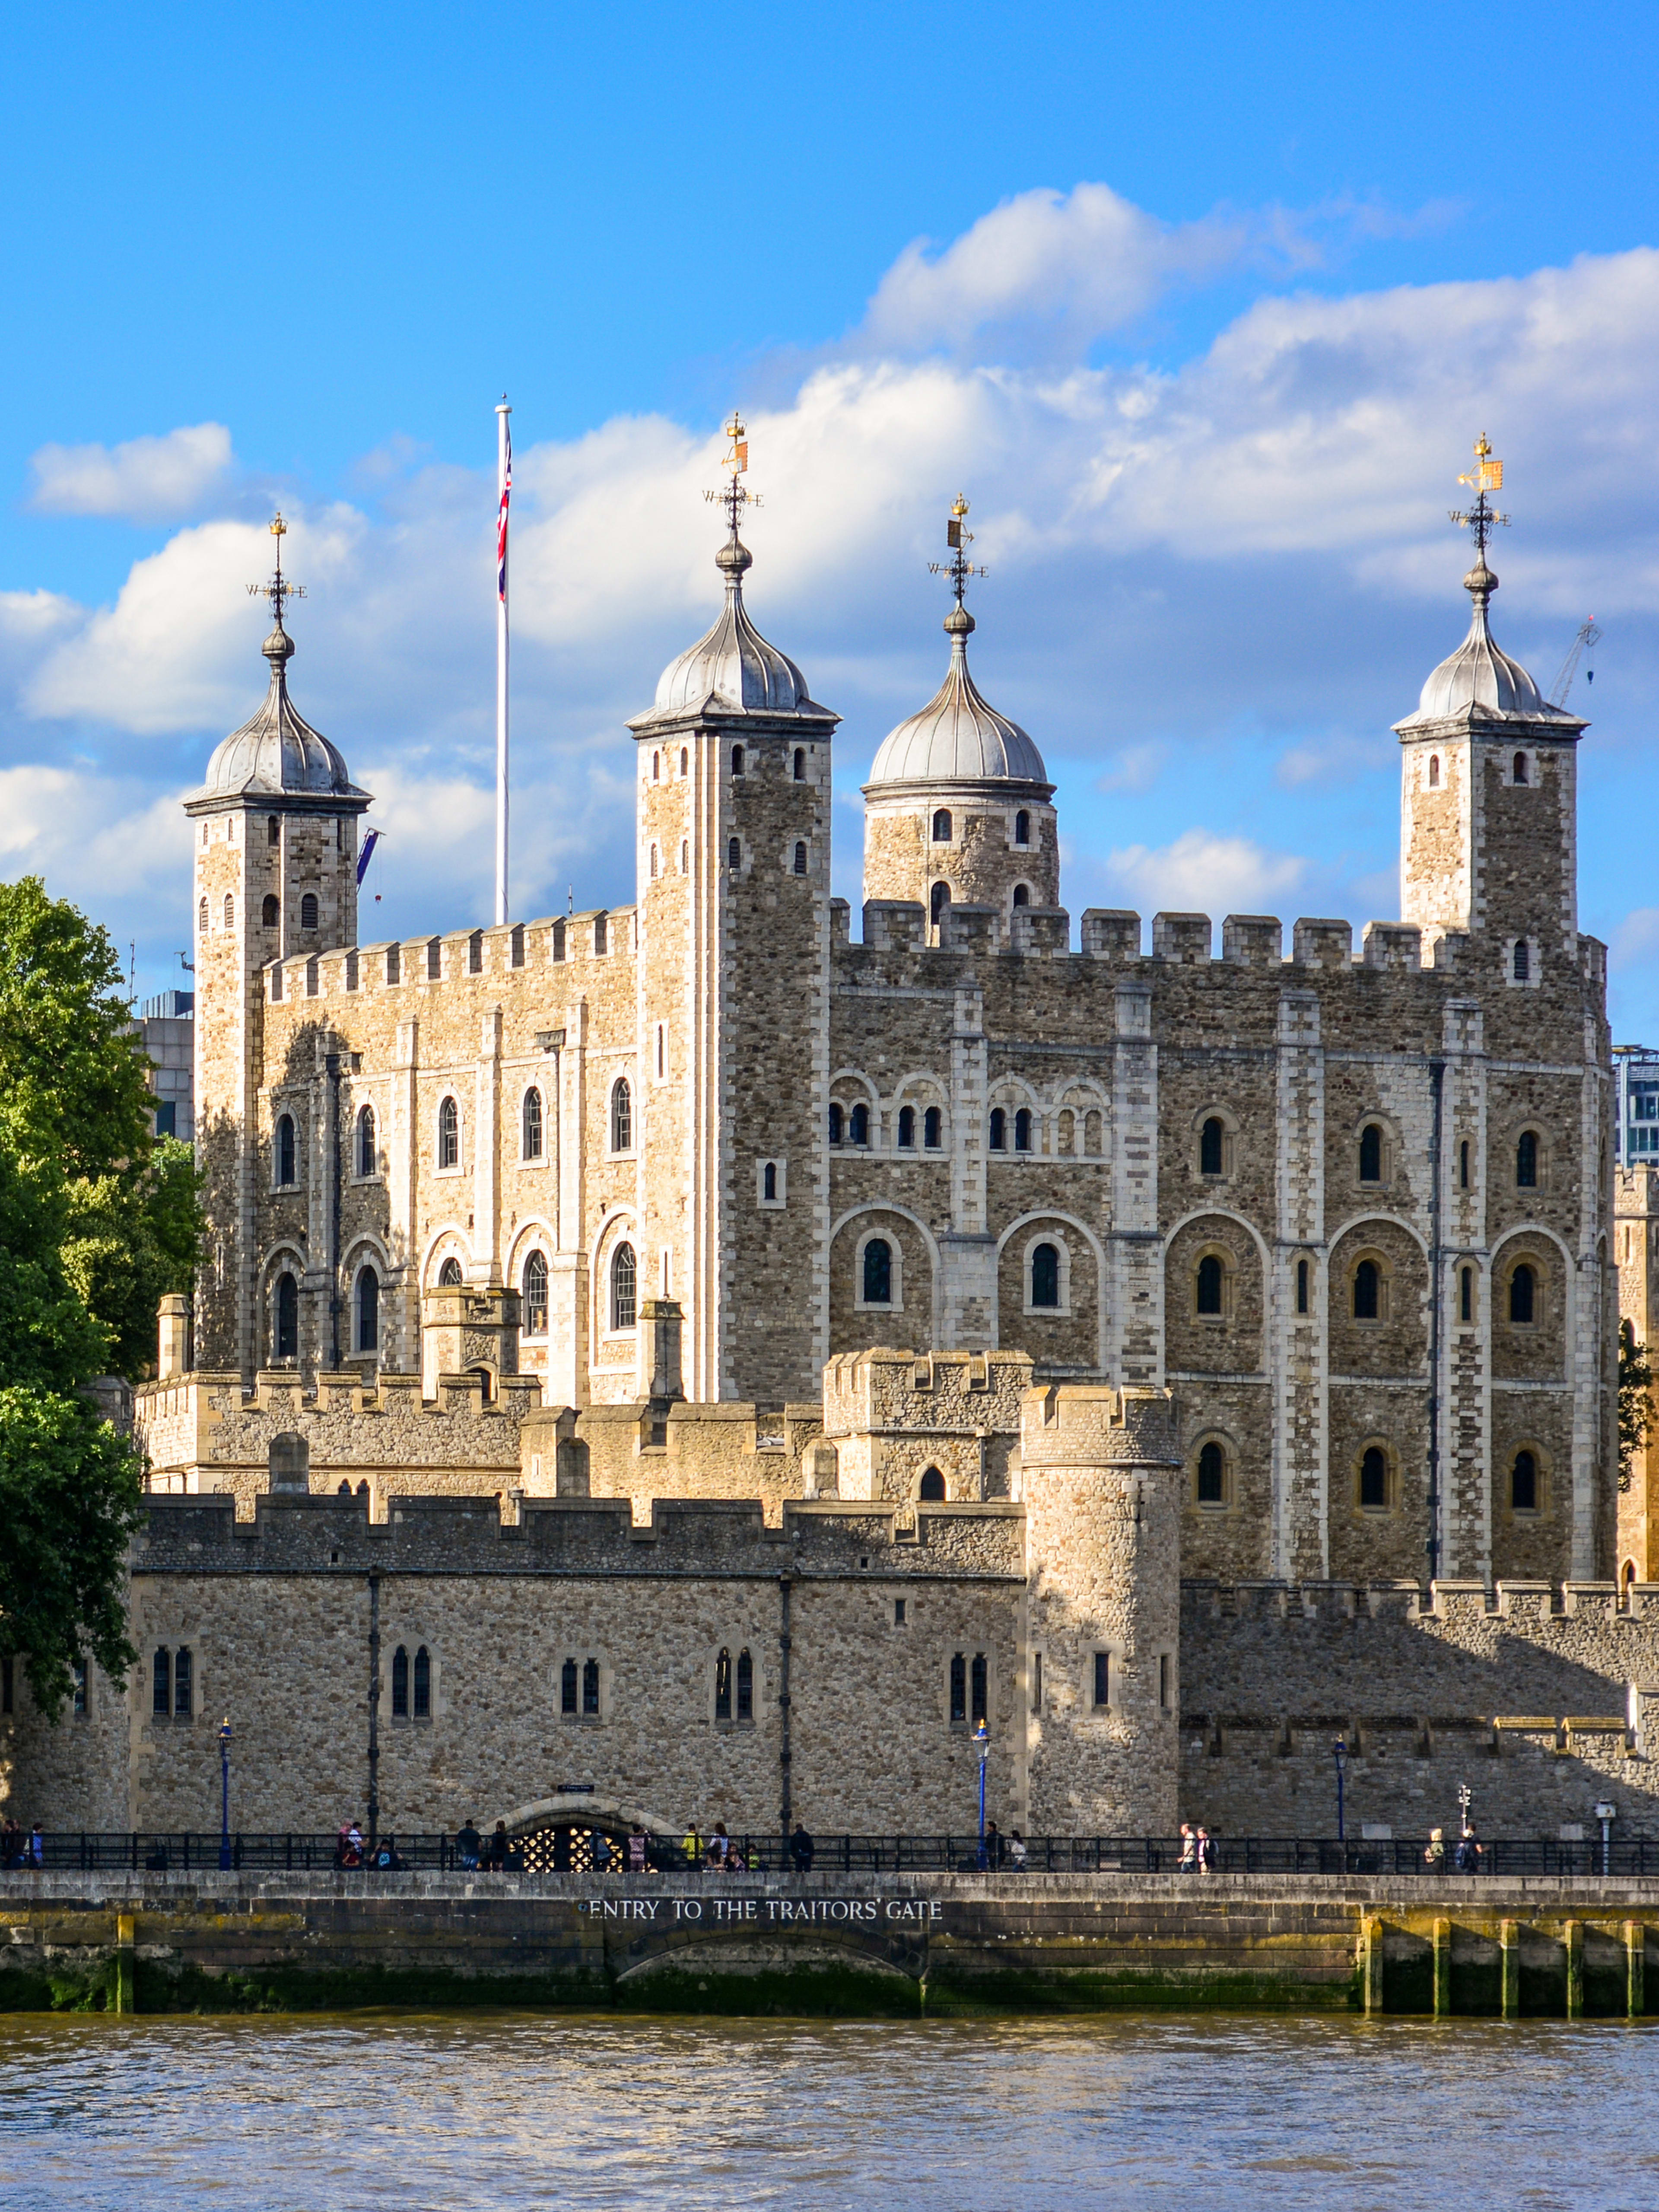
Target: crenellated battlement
586 1537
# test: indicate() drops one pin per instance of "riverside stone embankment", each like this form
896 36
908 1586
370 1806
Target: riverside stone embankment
902 1945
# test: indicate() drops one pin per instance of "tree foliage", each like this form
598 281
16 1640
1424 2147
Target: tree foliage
97 1220
1635 1402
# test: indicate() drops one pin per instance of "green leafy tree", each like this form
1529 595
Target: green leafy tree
1635 1402
98 1219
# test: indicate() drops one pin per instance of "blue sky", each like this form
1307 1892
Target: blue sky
1200 305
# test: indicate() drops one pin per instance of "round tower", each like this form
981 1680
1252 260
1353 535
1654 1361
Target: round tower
1100 1481
959 807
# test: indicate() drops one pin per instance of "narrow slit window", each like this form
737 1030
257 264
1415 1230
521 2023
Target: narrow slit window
422 1684
568 1686
367 1157
859 1125
1022 828
734 854
287 1318
1463 1165
932 1125
980 1676
1212 1284
623 1294
622 1116
1466 1294
1522 772
800 764
1522 961
434 959
958 1687
998 1129
1523 1483
877 1272
1523 1294
1371 1154
800 859
533 1128
369 1310
834 1123
1367 1291
394 964
1212 1475
285 1149
475 953
1103 1685
271 911
737 760
1211 1144
1023 1130
591 1687
1302 1286
723 1686
942 827
940 901
1373 1478
400 1683
745 1687
449 1134
535 1294
516 953
769 1181
161 1683
907 1128
183 1699
1045 1275
307 911
1525 1160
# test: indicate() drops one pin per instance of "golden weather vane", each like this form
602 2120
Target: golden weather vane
959 568
278 590
736 495
1486 475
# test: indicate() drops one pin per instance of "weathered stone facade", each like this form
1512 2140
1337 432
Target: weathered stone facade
514 1225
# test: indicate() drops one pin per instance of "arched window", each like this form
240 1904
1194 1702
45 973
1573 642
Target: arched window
1434 770
1302 1286
1045 1275
622 1116
624 1275
933 1129
271 913
907 1128
737 760
1212 1475
1212 1284
1522 961
1523 1294
1092 1132
1023 1130
1373 1477
182 1685
1022 828
939 900
285 1173
858 1130
422 1684
567 1685
958 1687
449 1134
161 1701
942 827
230 911
368 1159
1065 1132
273 831
449 1275
723 1685
979 1672
530 1117
998 1129
1466 1294
1021 894
369 1310
746 1680
734 854
834 1123
931 1492
1523 1483
1521 770
535 1294
1371 1154
400 1683
877 1272
800 764
1368 1291
800 858
287 1332
769 1182
308 911
1525 1160
1211 1146
591 1666
1463 1165
201 918
656 768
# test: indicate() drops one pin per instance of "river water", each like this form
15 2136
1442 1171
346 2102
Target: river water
351 2113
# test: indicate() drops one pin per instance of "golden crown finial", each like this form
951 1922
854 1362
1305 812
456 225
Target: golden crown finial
279 528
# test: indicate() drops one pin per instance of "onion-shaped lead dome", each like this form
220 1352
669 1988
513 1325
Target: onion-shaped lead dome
1480 683
957 737
732 669
276 751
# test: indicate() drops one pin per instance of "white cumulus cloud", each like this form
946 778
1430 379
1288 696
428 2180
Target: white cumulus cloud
144 480
1203 873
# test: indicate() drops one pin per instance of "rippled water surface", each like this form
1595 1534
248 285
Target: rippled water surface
506 2112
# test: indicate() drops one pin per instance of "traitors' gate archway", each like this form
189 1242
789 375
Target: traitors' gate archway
579 1831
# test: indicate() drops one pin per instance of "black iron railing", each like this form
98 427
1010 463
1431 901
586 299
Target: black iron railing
592 1850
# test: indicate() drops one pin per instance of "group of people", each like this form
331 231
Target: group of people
1468 1853
19 1849
1197 1850
491 1854
379 1856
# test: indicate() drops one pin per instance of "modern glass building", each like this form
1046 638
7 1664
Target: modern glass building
1636 1134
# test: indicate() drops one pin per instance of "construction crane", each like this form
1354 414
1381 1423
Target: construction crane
1587 635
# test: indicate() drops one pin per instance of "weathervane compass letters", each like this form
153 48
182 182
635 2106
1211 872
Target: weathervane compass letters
1486 475
278 590
959 568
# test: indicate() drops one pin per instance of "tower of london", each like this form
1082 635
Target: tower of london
1125 1333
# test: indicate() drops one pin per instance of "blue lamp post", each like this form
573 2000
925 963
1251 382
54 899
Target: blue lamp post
1339 1752
224 1796
982 1745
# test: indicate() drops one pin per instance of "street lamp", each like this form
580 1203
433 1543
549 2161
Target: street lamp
1606 1814
224 1796
1339 1752
982 1745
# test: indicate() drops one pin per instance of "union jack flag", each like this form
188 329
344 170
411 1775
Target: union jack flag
501 521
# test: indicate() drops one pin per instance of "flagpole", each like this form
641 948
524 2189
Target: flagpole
503 485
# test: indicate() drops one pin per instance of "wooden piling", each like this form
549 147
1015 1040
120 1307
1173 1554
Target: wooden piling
1370 1963
1635 1969
1575 1943
125 1989
1442 1968
1509 1943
